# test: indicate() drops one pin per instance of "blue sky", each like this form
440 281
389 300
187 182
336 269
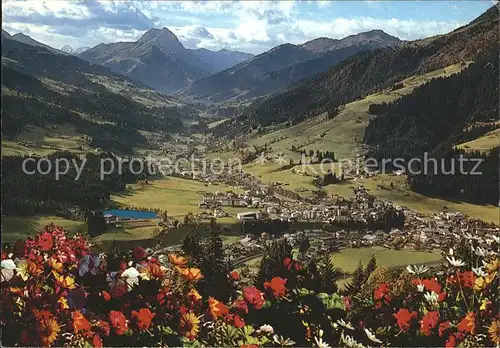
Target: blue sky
249 26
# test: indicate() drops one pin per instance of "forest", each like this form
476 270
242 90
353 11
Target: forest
433 120
31 194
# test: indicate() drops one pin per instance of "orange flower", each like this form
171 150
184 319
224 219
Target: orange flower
143 317
189 325
191 274
194 295
216 308
177 260
49 330
80 323
106 295
494 331
33 268
468 324
429 322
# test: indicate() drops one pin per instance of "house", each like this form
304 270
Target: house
248 216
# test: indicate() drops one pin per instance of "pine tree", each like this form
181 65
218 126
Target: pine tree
358 278
370 267
215 267
272 261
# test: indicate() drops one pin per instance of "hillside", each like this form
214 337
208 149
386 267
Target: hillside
159 60
97 107
283 66
369 71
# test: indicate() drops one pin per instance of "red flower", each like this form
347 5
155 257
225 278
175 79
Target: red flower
404 317
118 322
139 253
234 275
432 285
429 321
288 263
451 342
467 279
96 341
143 317
45 241
347 302
103 327
468 324
253 296
80 323
382 293
106 295
277 285
235 320
241 306
445 325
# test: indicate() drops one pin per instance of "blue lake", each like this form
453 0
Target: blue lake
132 214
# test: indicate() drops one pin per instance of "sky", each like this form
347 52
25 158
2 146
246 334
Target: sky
247 26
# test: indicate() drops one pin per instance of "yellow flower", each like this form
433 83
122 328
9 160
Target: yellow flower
484 304
195 295
55 265
189 325
493 265
63 302
49 328
65 282
479 284
494 331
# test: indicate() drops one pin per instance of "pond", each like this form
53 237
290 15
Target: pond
131 214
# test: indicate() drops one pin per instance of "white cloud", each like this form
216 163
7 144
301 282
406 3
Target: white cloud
252 26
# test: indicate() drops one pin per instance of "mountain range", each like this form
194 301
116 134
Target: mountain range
75 51
371 71
159 60
283 66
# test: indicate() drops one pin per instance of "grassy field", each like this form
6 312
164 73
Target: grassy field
348 259
178 196
21 227
485 143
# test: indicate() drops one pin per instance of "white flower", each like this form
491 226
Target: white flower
371 336
480 252
420 287
131 277
417 269
349 326
450 252
283 342
8 264
268 329
479 272
468 236
455 262
320 343
496 238
350 342
431 297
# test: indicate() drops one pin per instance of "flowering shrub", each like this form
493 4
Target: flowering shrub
55 292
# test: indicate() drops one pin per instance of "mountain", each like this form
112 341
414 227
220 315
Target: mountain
222 59
159 60
370 71
30 41
43 88
68 49
283 66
